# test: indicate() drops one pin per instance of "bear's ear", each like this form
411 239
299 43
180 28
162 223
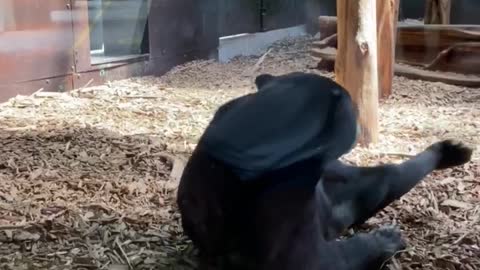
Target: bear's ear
262 80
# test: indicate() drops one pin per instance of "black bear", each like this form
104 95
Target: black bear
264 188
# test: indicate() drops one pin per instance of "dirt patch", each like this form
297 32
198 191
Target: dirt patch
86 177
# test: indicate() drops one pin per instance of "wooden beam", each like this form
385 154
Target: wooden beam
437 11
387 18
356 63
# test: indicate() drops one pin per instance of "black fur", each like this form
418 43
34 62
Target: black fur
358 193
277 222
262 80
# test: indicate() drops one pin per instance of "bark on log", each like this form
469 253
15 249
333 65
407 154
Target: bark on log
437 11
327 25
387 18
356 63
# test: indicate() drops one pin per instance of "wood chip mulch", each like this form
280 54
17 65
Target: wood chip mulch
88 178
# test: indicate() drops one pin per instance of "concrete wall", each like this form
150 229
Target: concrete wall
254 44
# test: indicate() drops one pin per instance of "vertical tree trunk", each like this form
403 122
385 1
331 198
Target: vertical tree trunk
356 63
387 18
437 11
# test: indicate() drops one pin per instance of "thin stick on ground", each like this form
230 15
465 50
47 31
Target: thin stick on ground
119 245
36 92
259 63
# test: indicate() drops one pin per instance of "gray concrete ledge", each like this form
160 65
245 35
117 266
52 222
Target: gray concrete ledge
254 44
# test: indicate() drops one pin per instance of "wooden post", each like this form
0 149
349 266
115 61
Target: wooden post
356 62
387 18
437 11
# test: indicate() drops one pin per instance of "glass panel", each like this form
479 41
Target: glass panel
118 29
7 19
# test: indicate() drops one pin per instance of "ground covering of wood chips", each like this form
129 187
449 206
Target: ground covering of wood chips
88 178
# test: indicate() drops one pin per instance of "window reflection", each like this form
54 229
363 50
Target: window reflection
118 29
7 18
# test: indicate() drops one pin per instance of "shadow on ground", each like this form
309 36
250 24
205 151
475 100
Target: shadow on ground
83 198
